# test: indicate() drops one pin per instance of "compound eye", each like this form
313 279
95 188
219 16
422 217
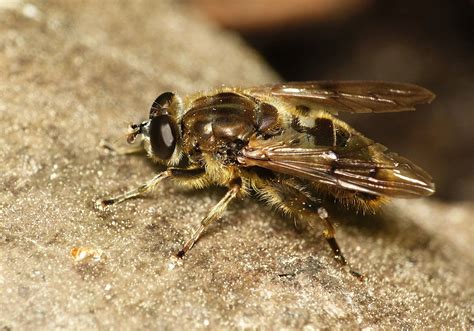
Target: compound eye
163 135
161 104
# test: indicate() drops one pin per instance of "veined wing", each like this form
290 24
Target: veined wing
347 96
368 168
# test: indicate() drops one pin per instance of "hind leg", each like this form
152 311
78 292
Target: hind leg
292 198
329 233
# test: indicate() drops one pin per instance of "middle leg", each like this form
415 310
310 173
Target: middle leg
215 213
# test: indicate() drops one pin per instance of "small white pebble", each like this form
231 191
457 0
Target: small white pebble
31 11
174 262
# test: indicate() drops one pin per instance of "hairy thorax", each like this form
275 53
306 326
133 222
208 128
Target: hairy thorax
221 125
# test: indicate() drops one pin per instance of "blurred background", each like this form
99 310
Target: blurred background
427 42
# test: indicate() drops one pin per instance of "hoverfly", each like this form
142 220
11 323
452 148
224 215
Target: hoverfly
285 144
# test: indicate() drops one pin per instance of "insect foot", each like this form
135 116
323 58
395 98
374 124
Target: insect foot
103 204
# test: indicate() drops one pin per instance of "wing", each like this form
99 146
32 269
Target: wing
364 167
347 96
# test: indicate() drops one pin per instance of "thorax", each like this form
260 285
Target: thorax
219 125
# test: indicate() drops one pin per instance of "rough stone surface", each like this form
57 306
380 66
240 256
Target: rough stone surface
74 73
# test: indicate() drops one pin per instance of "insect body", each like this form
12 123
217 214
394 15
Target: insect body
285 144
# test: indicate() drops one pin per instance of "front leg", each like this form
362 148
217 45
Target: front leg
122 150
190 173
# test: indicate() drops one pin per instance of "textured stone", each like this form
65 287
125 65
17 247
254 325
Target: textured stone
76 72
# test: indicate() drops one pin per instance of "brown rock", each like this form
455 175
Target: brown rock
74 73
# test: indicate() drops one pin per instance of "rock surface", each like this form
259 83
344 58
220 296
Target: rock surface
73 74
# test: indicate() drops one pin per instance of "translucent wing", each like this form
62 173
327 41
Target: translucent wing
347 96
364 167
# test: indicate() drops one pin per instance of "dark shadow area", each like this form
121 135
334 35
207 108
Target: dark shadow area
425 42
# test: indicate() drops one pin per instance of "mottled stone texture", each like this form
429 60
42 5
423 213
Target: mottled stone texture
73 73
